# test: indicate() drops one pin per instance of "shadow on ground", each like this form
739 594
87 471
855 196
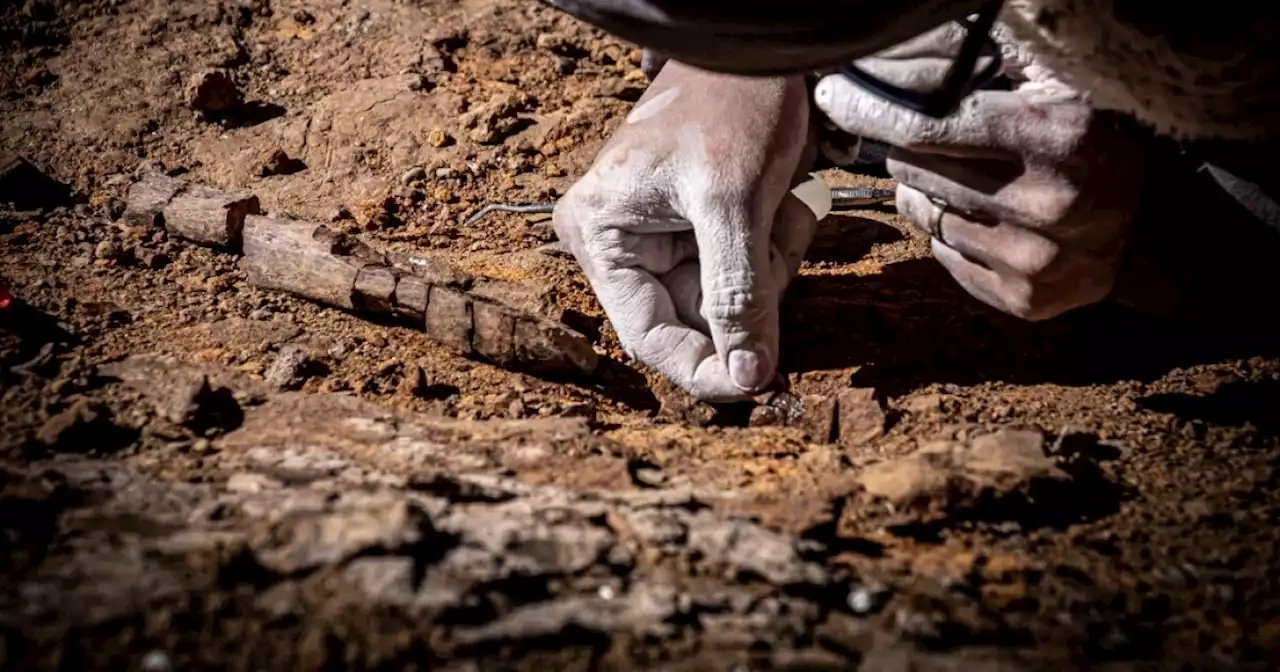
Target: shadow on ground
912 325
1233 404
847 238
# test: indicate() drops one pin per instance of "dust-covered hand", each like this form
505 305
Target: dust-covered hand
686 228
1028 194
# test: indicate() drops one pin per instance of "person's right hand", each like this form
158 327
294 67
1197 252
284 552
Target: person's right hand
686 228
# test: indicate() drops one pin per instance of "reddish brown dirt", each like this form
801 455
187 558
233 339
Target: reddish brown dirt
356 524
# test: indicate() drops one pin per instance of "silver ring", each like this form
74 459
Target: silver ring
935 218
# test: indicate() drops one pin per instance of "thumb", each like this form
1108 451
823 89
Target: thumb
739 294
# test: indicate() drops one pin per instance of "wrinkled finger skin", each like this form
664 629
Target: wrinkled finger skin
1041 189
692 185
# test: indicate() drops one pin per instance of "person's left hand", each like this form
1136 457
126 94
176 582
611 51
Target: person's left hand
1028 194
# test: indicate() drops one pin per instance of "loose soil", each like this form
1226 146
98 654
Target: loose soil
197 473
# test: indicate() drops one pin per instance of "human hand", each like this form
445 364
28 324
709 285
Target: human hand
1028 195
686 229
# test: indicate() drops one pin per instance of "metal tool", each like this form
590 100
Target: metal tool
842 198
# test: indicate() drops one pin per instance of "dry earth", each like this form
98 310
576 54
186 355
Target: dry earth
197 473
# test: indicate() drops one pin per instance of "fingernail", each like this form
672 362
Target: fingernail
748 370
822 92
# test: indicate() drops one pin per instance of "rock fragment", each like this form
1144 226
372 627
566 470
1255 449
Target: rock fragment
147 199
779 408
414 381
213 94
108 250
375 289
433 269
495 330
384 580
290 369
414 174
411 298
819 421
247 482
309 260
852 418
280 163
153 259
439 138
209 217
301 258
556 249
83 426
449 318
996 472
196 403
26 187
860 417
909 481
926 403
644 610
748 550
308 540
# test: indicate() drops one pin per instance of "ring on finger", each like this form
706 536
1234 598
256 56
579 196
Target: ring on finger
935 218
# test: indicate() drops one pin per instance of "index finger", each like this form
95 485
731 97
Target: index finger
992 124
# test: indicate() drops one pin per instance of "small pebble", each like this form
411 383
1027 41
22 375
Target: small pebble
154 260
414 174
156 661
107 249
290 368
442 194
438 138
250 483
556 249
866 599
414 381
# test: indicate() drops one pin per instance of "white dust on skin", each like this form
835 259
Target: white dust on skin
654 105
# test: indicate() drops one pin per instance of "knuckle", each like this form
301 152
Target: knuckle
730 303
1025 308
582 205
1038 308
1017 297
1044 298
565 221
1034 258
1051 206
731 291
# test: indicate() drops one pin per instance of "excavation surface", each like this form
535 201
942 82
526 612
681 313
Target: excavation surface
199 473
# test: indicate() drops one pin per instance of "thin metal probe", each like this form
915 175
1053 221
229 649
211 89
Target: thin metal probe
529 209
842 198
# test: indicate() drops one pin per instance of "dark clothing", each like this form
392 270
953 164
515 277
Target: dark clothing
1206 241
766 38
